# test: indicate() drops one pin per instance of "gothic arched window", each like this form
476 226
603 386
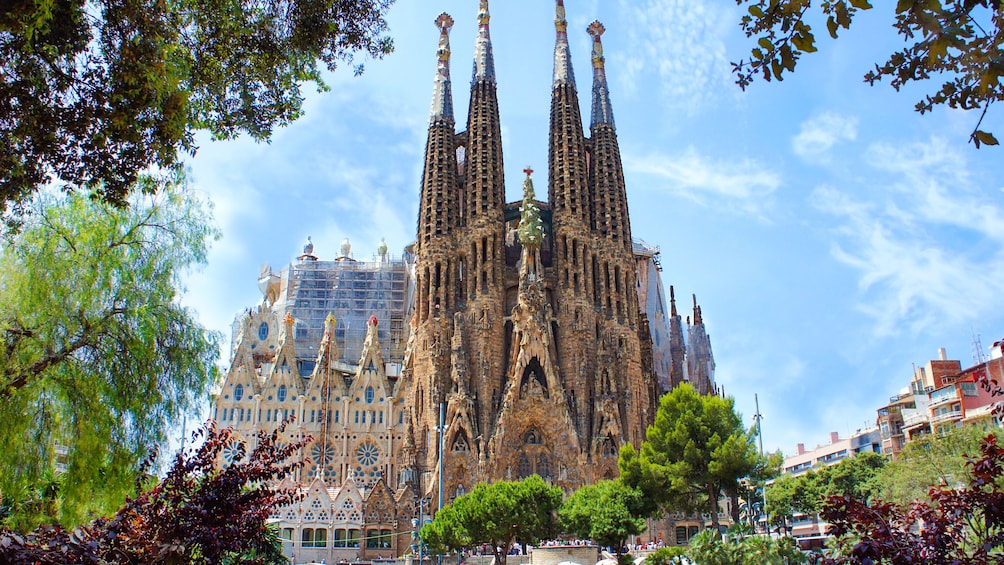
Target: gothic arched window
524 470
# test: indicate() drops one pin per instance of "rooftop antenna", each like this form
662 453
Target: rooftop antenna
978 358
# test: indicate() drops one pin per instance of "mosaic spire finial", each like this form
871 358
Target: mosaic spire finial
484 60
442 97
562 61
602 111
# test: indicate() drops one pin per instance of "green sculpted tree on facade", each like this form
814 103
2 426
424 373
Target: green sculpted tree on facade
608 512
96 92
958 41
530 228
97 357
696 451
497 514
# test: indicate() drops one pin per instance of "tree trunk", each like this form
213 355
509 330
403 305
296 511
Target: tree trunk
713 499
734 499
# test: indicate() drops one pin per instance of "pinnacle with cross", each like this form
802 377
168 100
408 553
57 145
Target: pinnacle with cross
528 170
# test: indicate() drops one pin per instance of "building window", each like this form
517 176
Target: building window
681 535
369 395
372 539
314 537
282 393
238 392
263 331
286 534
340 540
353 538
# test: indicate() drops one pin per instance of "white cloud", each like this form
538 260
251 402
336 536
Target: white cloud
681 43
820 133
927 243
743 185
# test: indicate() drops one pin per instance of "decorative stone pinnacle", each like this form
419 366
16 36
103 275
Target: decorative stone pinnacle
483 15
559 17
596 30
288 319
445 23
442 99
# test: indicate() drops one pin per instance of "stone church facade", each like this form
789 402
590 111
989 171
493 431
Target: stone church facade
511 339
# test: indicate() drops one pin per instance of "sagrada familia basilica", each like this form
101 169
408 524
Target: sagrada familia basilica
510 339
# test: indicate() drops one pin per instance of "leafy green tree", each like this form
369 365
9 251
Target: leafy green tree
608 512
95 92
498 515
962 524
695 451
854 477
709 548
669 555
958 41
97 357
930 462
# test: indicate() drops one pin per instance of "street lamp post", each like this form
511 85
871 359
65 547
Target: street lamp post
417 524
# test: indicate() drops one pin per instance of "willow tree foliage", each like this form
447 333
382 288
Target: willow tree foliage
97 357
94 92
959 43
696 451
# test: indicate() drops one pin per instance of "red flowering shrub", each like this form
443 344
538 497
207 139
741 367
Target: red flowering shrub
200 513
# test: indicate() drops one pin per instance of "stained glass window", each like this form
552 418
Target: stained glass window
367 454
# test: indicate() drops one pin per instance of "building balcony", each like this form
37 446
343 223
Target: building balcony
947 416
915 420
937 399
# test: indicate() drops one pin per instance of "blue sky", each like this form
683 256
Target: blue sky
833 236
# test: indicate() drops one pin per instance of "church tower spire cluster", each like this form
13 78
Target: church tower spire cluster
510 339
527 324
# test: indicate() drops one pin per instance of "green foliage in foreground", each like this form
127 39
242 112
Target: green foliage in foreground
497 514
930 462
958 42
95 92
708 548
97 357
608 512
696 450
856 476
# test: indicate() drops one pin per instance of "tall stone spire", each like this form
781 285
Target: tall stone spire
438 214
484 194
606 175
567 151
700 358
677 345
484 61
602 112
442 97
562 62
